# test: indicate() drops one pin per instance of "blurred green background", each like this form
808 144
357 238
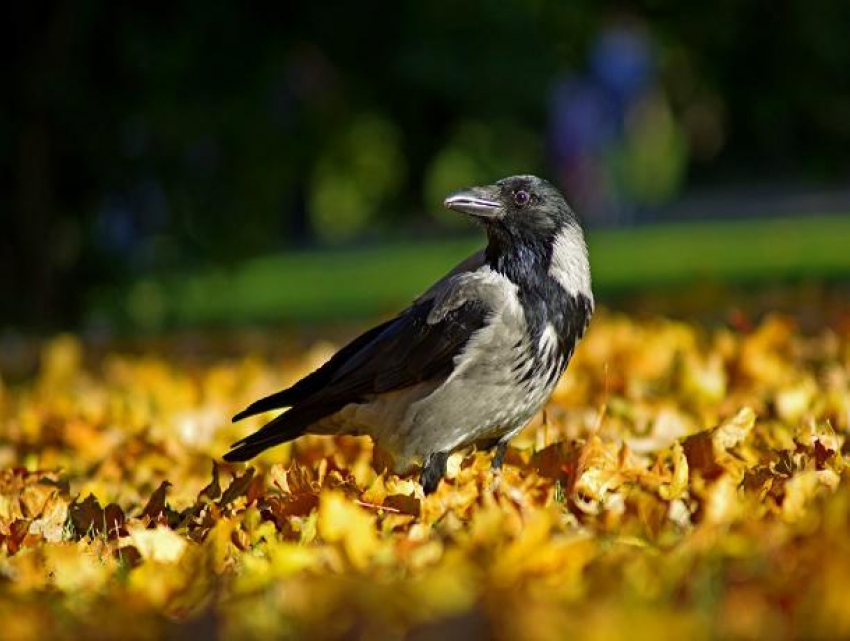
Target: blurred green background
194 163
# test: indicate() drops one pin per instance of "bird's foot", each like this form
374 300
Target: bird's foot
496 466
499 456
433 470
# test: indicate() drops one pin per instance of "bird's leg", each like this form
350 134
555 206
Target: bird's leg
433 470
499 456
496 465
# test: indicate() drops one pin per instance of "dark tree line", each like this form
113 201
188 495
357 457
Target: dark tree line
139 137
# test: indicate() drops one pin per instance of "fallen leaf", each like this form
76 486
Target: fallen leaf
341 521
160 544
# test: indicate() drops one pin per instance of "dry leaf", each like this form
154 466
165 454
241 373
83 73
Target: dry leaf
160 544
616 515
342 521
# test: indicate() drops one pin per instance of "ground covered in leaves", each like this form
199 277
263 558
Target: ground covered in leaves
684 482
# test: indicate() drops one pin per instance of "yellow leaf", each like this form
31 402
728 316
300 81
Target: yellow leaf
280 560
802 488
74 568
721 501
341 521
679 484
51 524
160 544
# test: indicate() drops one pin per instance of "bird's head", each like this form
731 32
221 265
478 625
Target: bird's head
518 208
531 230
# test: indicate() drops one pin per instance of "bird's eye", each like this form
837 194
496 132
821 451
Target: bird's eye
521 198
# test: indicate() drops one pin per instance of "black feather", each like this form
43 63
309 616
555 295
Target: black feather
397 354
281 429
311 383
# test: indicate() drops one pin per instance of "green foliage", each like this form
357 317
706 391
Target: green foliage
355 176
473 156
361 283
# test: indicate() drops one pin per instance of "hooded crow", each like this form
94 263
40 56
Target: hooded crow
472 360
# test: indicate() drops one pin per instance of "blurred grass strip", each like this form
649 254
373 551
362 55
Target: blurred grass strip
363 282
732 251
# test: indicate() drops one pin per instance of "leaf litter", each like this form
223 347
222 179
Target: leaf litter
682 482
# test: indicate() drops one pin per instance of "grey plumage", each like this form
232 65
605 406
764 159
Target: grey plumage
471 360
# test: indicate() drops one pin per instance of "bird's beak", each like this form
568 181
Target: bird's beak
482 202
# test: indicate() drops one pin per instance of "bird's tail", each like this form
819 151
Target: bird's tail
281 429
276 401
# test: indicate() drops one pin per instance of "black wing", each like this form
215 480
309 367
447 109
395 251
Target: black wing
314 382
397 354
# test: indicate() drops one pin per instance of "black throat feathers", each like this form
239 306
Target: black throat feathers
527 262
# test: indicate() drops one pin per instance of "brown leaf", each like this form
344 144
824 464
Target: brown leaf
708 451
156 504
280 508
17 533
128 556
238 486
87 516
212 491
557 461
113 517
403 504
256 489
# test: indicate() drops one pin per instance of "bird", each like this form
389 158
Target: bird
472 360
